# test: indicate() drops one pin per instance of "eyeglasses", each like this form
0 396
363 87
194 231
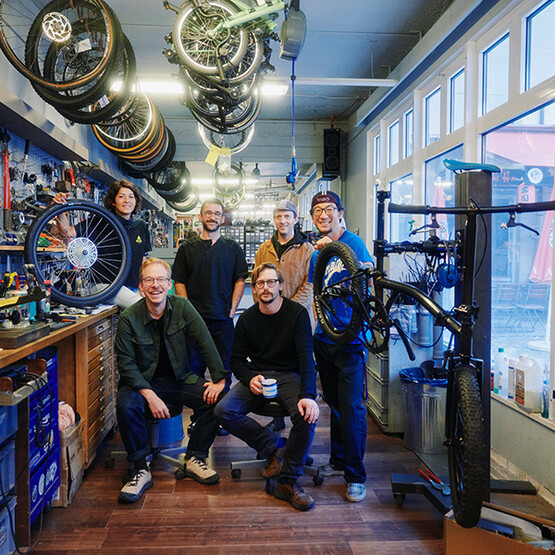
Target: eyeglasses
329 210
160 280
209 214
269 282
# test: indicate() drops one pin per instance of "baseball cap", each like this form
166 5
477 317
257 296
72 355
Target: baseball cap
327 196
285 204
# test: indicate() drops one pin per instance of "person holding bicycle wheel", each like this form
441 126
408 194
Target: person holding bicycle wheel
341 368
124 200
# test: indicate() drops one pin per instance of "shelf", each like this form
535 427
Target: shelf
535 416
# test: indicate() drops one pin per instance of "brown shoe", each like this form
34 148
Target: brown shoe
294 494
273 465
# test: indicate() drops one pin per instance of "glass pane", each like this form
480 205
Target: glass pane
400 224
409 118
521 260
496 75
456 101
376 154
393 144
540 53
432 109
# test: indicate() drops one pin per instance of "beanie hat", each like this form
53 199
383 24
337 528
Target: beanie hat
327 196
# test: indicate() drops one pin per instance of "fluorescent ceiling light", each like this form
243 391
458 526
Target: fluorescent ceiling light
273 89
156 86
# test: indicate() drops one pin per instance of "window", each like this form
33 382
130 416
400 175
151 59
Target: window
456 101
393 144
495 75
521 263
407 147
540 45
401 193
432 109
376 155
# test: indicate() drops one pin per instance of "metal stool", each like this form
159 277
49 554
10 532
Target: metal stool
274 410
162 432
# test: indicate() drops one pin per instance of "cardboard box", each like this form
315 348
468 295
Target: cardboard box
470 541
72 461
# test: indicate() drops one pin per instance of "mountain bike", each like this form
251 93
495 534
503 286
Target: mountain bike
361 305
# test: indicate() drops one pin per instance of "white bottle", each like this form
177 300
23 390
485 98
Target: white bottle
503 372
511 368
499 364
528 384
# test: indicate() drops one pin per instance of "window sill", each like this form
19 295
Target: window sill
536 416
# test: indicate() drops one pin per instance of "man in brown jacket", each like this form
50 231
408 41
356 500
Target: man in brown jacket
290 251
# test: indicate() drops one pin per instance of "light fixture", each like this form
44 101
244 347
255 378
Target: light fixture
155 86
273 89
256 172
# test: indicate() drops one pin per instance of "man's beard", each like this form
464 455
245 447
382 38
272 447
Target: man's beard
206 228
269 300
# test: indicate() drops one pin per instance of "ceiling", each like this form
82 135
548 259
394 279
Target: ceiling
360 39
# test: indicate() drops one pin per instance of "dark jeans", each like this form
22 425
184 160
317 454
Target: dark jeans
232 412
341 372
222 335
132 411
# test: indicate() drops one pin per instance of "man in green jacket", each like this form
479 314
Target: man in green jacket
152 343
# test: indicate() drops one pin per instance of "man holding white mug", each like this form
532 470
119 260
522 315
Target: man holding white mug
273 341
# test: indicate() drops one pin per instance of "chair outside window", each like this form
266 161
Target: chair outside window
533 304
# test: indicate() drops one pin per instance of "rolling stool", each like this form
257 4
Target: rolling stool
160 433
274 410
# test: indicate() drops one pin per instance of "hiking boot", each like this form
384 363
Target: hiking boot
134 489
273 465
330 470
198 470
356 492
295 495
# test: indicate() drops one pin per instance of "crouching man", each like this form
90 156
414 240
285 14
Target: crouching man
153 338
273 339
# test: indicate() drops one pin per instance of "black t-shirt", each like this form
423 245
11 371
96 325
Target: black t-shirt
139 237
164 367
209 272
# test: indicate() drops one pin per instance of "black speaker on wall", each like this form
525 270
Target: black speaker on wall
331 167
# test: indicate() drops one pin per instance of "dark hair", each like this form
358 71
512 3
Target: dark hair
113 190
265 266
212 201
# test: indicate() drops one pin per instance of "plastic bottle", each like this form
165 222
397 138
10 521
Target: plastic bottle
497 365
545 393
528 384
502 372
46 300
511 368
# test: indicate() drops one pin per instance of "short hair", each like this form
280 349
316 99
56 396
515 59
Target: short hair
150 261
113 190
212 201
266 266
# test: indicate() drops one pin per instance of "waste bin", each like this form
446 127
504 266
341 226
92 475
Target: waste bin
424 400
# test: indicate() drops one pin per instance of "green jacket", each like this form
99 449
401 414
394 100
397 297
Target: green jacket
137 343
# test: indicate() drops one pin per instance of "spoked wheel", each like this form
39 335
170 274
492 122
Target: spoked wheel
202 43
82 32
375 325
338 305
466 447
82 249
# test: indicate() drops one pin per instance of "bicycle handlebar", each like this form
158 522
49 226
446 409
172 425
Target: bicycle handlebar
472 209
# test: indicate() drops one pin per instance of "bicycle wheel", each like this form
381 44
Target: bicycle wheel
86 266
338 303
199 46
83 33
466 447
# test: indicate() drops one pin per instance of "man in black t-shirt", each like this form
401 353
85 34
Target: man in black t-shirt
273 339
210 270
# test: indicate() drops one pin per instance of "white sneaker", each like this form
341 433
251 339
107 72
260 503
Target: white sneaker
134 489
356 492
198 470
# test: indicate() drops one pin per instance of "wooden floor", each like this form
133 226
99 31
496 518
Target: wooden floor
237 516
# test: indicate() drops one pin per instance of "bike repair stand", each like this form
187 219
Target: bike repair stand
476 186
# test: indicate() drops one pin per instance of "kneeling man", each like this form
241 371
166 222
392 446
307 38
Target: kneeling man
273 339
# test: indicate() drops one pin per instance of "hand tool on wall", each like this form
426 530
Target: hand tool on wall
7 219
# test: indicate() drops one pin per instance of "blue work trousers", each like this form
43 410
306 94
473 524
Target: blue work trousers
232 412
341 372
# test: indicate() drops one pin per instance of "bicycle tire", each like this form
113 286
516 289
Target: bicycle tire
101 247
204 60
329 302
27 63
466 447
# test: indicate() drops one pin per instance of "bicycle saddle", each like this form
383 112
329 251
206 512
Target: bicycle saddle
457 166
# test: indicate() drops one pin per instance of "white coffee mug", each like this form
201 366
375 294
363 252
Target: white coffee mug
269 388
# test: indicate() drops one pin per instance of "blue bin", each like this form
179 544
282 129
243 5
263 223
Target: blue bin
7 543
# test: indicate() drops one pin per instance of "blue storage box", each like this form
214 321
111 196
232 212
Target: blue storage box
8 422
44 483
7 543
49 439
7 465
